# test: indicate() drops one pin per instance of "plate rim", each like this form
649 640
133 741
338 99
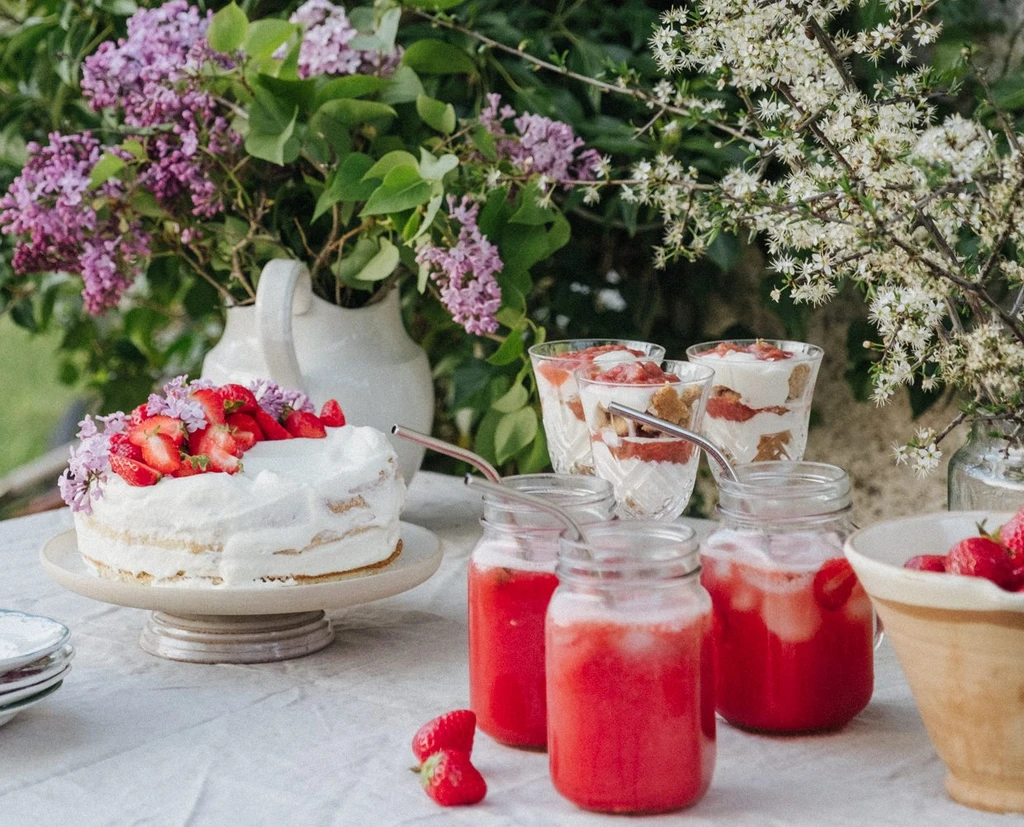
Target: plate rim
421 557
9 664
33 689
25 703
48 672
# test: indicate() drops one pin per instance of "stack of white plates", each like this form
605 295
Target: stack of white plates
35 657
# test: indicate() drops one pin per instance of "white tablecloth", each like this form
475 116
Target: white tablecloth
324 740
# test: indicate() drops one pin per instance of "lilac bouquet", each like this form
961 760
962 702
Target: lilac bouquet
226 142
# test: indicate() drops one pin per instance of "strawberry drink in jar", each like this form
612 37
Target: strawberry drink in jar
652 473
793 626
760 401
553 366
511 578
630 670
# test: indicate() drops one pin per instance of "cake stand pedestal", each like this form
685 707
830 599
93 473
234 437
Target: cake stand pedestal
235 639
251 624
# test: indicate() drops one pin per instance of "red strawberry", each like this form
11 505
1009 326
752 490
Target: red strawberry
304 424
982 557
833 583
237 399
1012 536
212 403
731 410
331 414
221 460
160 453
166 425
453 730
272 429
192 465
451 779
245 430
215 438
133 472
138 414
124 447
927 562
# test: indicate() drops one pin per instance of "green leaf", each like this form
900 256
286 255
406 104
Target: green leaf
514 432
405 87
136 148
300 92
516 398
435 57
355 260
381 265
264 36
535 457
433 207
387 31
353 112
393 160
433 168
436 114
107 167
351 178
530 212
350 86
484 142
227 29
510 350
403 188
433 5
280 148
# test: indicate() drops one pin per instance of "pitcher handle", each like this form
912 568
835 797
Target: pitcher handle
284 290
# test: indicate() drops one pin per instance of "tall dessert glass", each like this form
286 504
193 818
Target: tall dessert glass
652 473
760 401
793 626
553 366
511 578
631 721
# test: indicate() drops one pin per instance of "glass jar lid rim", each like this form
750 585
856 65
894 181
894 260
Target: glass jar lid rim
568 491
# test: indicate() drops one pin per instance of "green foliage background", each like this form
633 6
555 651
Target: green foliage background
116 359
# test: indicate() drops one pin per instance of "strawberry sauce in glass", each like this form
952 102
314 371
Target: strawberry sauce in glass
794 629
630 671
510 581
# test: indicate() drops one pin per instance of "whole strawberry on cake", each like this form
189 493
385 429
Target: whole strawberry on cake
232 485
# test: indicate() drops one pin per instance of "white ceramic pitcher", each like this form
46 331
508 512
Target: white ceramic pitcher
362 357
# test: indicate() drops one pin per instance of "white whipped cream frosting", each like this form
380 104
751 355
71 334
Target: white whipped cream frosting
299 507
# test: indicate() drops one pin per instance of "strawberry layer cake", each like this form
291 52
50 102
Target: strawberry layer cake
209 486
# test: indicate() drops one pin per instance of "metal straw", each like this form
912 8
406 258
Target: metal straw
533 500
442 447
712 450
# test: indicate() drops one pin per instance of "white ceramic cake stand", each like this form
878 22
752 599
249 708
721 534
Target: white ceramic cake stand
243 624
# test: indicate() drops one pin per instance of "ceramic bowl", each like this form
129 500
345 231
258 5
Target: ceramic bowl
960 641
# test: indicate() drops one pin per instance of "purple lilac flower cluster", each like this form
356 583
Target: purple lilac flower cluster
50 206
175 402
154 77
540 145
274 399
465 271
325 46
89 463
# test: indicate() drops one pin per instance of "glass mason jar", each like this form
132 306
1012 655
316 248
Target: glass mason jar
987 472
794 629
631 720
511 578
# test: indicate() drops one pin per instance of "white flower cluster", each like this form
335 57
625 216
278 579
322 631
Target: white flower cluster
848 184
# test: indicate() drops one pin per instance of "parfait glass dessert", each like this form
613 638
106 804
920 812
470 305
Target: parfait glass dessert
794 628
511 578
760 401
631 721
652 473
553 365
